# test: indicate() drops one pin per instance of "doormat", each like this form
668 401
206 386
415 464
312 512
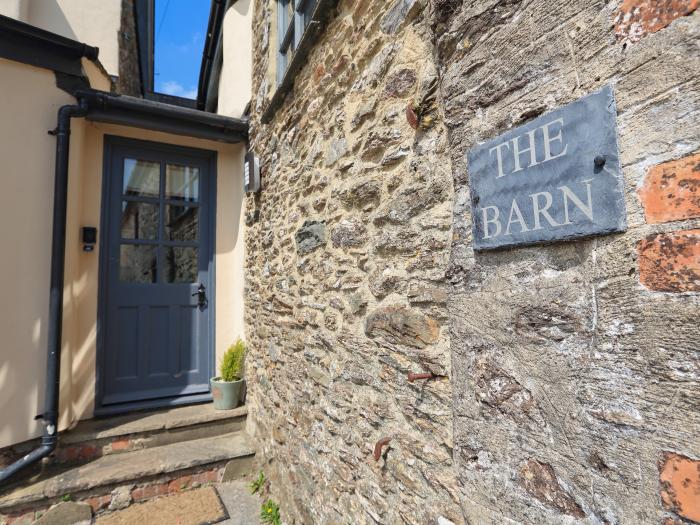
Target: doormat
193 507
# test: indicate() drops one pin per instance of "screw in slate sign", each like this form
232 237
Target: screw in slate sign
599 161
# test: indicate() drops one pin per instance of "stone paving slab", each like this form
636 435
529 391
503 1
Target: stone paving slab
242 506
66 513
150 421
132 466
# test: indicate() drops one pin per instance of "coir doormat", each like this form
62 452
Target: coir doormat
194 507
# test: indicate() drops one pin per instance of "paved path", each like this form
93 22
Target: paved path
243 507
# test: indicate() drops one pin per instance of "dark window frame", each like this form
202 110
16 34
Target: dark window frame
144 15
290 31
311 17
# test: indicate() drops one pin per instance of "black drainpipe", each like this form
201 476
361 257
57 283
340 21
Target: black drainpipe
58 253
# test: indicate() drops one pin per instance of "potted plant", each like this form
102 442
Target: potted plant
228 388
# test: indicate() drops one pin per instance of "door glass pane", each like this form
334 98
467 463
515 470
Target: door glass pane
137 264
139 220
182 183
141 178
181 223
181 265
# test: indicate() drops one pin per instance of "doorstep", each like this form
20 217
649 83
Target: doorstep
159 452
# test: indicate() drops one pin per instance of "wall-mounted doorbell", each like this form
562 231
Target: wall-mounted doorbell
89 238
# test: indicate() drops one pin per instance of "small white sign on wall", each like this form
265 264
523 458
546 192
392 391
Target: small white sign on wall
251 173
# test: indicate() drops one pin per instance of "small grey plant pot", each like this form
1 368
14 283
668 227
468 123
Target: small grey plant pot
226 394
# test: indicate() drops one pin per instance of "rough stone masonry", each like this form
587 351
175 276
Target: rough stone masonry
564 379
576 366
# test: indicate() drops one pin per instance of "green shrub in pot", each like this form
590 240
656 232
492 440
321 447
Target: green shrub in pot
228 389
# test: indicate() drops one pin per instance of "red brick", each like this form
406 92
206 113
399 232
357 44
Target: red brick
120 444
88 452
137 494
180 483
671 191
143 493
27 517
635 19
155 490
68 454
670 262
200 477
680 485
99 502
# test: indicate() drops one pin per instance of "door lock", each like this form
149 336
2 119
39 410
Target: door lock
201 294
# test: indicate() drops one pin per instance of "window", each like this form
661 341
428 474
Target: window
299 24
160 222
169 44
293 17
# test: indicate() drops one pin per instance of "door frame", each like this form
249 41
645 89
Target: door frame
110 142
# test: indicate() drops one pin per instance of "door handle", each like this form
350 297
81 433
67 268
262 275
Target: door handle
201 294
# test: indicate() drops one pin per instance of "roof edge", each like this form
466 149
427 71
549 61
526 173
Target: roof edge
25 43
73 48
157 116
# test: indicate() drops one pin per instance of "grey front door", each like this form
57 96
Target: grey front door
156 340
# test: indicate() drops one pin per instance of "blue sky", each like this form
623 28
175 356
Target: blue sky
180 29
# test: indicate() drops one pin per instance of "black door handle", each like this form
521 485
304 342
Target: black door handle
201 294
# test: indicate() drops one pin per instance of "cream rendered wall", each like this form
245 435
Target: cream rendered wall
29 105
235 83
96 75
17 9
93 22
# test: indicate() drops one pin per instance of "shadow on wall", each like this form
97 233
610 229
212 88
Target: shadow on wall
229 196
242 7
22 392
229 251
78 352
49 15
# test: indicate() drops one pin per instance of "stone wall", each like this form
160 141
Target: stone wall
129 81
347 248
570 372
576 366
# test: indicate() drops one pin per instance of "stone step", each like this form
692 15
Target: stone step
135 475
118 434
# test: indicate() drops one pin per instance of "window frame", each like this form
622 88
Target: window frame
144 18
290 32
310 19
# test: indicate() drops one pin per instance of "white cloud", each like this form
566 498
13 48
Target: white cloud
172 87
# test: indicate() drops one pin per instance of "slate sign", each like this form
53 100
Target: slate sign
555 178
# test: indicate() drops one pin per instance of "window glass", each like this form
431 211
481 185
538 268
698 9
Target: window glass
139 220
180 265
137 263
141 178
182 183
181 223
